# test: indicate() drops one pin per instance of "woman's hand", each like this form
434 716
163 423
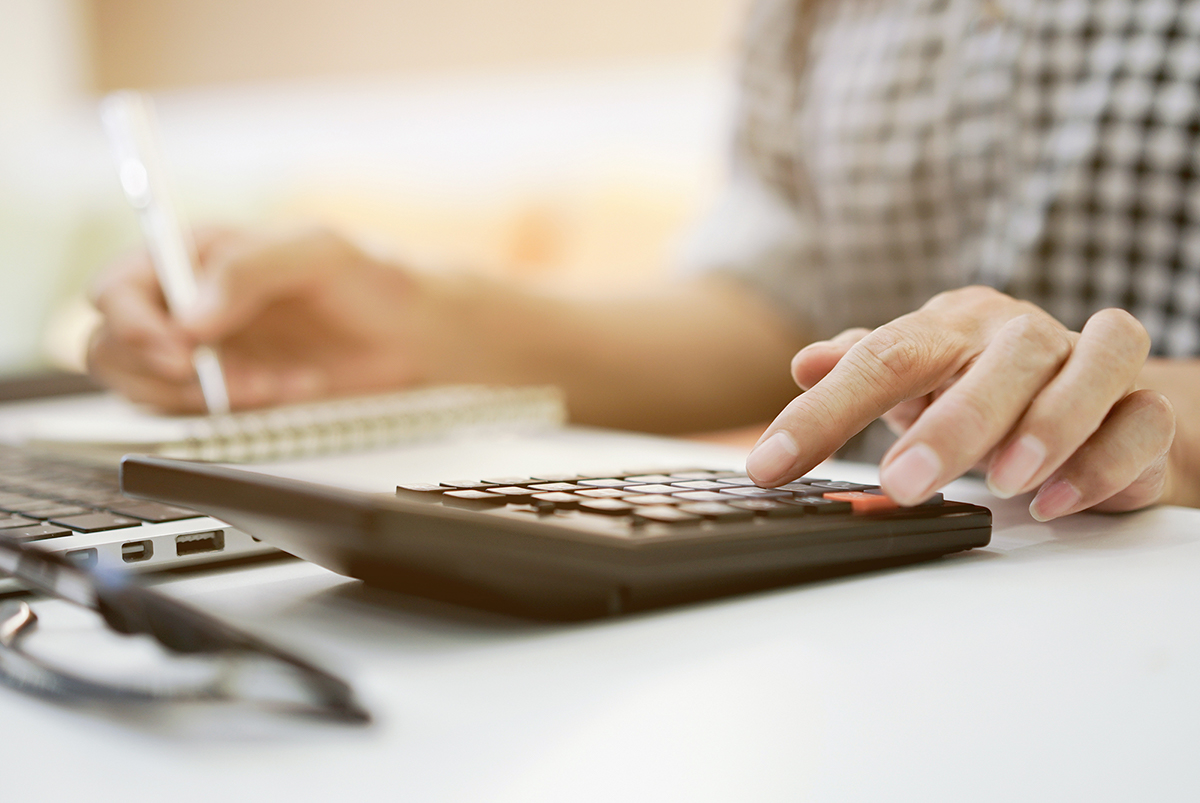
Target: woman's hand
978 378
294 315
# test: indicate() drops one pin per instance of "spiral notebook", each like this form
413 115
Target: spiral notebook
105 427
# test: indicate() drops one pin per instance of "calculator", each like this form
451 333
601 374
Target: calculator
563 546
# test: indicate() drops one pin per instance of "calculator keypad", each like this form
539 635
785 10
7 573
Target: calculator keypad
682 498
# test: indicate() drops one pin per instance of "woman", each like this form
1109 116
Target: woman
976 219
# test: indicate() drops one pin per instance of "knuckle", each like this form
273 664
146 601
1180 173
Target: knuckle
1038 337
965 297
892 357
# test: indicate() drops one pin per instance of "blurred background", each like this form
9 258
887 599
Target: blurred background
554 140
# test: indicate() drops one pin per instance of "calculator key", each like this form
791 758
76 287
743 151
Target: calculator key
936 499
834 485
606 482
604 493
507 480
666 514
466 485
737 480
472 498
36 532
96 522
420 492
556 486
655 488
649 499
609 507
555 478
716 510
803 488
511 490
558 499
818 504
864 502
661 479
701 496
767 507
700 485
701 475
763 493
421 488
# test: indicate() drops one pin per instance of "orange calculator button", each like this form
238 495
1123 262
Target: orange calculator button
863 502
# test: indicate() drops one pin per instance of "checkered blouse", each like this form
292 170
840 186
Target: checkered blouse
890 149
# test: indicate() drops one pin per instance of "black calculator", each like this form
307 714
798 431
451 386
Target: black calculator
574 547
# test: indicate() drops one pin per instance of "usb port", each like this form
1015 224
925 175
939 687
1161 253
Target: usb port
199 543
136 551
82 557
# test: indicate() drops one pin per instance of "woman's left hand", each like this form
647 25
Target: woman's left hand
976 377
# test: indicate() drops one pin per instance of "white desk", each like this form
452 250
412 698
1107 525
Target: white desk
1060 663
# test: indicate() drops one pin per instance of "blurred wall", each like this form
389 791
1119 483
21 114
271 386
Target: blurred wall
553 139
44 55
168 43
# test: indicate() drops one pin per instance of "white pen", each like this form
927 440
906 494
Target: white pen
128 119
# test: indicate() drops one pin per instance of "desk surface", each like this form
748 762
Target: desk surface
1060 663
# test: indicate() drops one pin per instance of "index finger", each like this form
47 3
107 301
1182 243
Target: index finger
903 360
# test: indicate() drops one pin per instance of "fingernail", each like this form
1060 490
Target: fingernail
771 459
1054 501
909 479
1016 467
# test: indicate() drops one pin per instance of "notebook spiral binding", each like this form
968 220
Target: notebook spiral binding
356 424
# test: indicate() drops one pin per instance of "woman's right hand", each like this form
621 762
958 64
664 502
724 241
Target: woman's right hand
294 315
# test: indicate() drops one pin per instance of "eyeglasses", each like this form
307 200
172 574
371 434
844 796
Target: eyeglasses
245 667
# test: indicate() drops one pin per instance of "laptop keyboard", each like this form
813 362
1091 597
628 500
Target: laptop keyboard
44 496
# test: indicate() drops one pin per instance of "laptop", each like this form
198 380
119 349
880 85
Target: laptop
75 507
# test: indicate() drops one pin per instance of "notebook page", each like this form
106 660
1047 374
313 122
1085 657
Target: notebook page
108 426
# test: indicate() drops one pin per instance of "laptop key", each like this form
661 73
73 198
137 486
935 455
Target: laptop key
153 512
96 522
14 502
55 511
36 532
15 520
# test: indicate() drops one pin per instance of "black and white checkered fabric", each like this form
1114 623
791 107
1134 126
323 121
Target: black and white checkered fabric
891 149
